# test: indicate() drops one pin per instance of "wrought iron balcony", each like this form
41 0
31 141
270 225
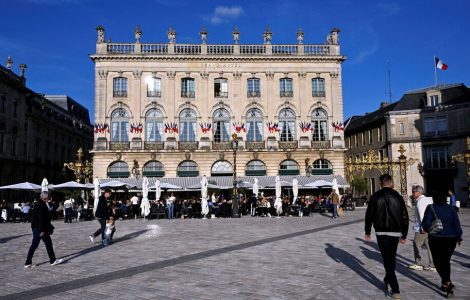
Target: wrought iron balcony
188 145
188 94
154 94
288 145
221 145
120 94
254 145
154 145
321 144
252 94
119 145
287 94
221 94
318 94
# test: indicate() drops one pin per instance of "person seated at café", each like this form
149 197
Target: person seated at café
124 210
25 209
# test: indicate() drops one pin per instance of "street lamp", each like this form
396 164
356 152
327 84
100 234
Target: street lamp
83 170
235 193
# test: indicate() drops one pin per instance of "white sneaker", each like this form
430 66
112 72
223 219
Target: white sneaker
30 266
92 239
416 267
430 269
57 262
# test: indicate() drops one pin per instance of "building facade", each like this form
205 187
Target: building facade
432 124
171 109
38 133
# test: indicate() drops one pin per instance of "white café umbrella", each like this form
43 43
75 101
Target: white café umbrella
278 201
158 190
204 196
67 185
335 186
145 205
28 186
319 183
256 188
44 185
295 189
96 194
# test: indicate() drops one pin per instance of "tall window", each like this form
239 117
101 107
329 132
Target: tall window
15 109
221 125
285 85
434 100
253 87
255 168
363 136
119 125
118 169
287 124
187 125
153 168
437 157
369 136
318 87
402 128
188 88
187 168
120 87
222 168
254 125
435 125
154 87
221 88
379 134
322 167
288 167
153 126
320 125
3 104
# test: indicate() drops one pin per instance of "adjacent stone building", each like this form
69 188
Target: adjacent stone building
432 125
38 133
170 109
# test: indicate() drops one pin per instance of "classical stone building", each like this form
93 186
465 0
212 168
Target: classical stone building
38 133
171 109
432 125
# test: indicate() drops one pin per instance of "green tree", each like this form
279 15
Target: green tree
359 185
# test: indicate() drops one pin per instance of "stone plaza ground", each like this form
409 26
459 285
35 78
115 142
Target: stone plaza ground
248 258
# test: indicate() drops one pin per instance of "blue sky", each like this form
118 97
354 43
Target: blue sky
55 38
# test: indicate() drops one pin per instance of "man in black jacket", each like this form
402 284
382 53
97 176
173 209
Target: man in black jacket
42 229
101 214
387 212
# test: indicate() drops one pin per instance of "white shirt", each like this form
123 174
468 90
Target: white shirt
170 200
68 203
421 203
109 229
135 200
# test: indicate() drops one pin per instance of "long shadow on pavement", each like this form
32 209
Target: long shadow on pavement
352 262
9 238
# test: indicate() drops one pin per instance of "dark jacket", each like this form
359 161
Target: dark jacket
387 212
102 210
449 218
40 218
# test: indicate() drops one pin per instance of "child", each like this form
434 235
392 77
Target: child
109 232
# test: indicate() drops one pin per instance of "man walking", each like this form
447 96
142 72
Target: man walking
42 230
387 212
335 203
421 237
170 204
101 214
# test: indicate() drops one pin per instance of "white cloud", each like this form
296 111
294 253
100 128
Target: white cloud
364 53
223 14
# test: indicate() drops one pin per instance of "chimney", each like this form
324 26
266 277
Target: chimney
383 104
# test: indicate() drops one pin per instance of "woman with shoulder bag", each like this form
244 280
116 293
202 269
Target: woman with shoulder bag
442 238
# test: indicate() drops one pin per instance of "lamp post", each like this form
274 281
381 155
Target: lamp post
83 170
235 193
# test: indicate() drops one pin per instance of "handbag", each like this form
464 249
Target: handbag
436 225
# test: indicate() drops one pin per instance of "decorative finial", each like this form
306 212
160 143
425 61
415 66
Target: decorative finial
300 36
203 34
9 62
236 35
100 30
171 35
267 36
22 69
138 34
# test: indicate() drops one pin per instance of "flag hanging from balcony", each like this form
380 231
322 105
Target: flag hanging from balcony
440 64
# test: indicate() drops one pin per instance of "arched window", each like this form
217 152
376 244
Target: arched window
118 169
153 125
222 168
255 168
288 167
221 125
187 168
188 88
318 87
221 88
254 125
154 87
253 87
319 125
120 125
287 124
120 87
322 167
187 128
285 86
153 168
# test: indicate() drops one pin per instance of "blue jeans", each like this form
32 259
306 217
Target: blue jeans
335 210
388 248
68 215
170 208
46 238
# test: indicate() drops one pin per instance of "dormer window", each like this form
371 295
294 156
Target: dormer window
434 100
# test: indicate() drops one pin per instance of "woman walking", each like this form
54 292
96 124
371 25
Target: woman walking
443 243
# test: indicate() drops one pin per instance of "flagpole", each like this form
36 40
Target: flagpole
435 72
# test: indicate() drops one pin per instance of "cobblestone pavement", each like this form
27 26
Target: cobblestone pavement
248 258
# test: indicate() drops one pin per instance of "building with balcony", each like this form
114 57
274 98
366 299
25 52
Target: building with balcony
38 133
170 110
431 123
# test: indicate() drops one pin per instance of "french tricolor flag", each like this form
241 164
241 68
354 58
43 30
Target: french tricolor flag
440 64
